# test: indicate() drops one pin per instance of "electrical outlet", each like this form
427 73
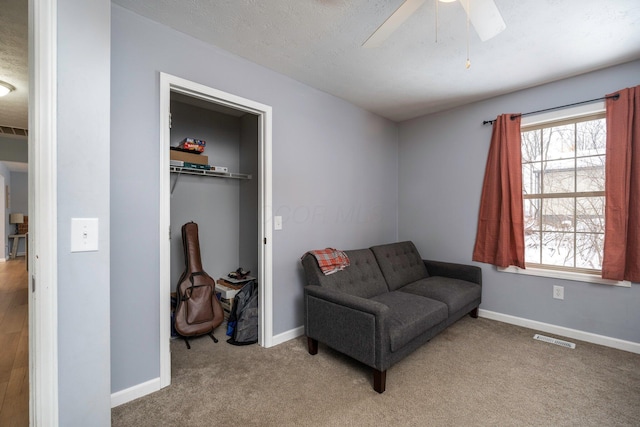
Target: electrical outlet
558 292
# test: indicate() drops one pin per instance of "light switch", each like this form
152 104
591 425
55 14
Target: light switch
277 223
84 234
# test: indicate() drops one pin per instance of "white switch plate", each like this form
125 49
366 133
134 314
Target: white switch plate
277 223
84 234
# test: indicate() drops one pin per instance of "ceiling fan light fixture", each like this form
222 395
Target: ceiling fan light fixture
5 88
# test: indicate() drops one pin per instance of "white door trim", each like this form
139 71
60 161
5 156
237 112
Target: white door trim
43 272
168 84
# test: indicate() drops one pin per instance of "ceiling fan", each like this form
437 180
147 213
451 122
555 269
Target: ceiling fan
483 14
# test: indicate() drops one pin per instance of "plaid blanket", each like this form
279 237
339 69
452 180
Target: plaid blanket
330 260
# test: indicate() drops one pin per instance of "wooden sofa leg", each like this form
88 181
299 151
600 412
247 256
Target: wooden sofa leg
474 313
379 380
313 346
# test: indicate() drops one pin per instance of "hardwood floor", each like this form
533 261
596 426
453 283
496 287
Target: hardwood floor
14 344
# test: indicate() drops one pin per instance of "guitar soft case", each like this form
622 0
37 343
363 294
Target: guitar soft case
198 311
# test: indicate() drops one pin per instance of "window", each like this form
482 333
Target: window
563 159
563 189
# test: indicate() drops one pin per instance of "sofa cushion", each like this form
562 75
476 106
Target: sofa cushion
362 278
400 263
410 316
454 293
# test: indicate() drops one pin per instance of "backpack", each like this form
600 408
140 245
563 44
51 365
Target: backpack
242 325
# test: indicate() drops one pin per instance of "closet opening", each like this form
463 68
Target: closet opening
230 203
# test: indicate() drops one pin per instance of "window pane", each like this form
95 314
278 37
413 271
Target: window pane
531 178
557 249
531 215
559 142
589 249
559 176
557 214
531 246
590 174
590 214
591 137
531 146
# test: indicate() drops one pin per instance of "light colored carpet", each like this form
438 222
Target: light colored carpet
478 372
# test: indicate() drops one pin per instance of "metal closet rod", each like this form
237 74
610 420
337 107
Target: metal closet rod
615 96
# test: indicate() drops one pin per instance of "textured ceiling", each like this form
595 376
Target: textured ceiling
318 42
13 63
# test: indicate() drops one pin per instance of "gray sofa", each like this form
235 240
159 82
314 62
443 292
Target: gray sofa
386 304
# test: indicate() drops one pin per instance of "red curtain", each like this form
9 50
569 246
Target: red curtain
621 259
500 235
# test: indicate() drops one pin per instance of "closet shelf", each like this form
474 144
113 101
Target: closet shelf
208 173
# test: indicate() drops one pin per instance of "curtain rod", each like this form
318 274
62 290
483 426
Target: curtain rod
614 96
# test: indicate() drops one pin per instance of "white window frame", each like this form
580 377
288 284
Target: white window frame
552 116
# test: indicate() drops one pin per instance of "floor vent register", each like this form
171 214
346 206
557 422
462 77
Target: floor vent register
555 341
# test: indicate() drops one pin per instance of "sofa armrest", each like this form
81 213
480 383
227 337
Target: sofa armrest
470 273
351 301
352 325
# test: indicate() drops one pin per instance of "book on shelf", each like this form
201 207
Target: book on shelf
196 166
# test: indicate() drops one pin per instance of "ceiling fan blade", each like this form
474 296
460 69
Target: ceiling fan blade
485 17
392 23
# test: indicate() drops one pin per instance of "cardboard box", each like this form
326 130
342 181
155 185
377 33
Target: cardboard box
226 292
200 159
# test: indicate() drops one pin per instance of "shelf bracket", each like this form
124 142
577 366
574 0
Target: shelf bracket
173 187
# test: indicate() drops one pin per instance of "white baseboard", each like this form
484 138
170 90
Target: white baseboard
3 260
619 344
286 336
127 395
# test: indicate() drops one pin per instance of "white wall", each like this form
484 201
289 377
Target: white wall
441 162
334 178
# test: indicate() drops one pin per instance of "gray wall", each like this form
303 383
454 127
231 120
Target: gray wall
83 90
441 162
19 200
212 203
8 228
334 178
249 198
13 149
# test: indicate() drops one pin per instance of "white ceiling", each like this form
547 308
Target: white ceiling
13 63
14 70
318 42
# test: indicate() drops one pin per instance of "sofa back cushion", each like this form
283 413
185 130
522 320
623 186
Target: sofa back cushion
400 263
362 278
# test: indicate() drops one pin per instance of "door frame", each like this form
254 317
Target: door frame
168 84
43 219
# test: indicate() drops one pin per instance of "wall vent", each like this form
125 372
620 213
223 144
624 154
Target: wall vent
555 341
8 130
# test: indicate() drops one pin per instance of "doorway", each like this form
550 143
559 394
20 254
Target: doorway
197 93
